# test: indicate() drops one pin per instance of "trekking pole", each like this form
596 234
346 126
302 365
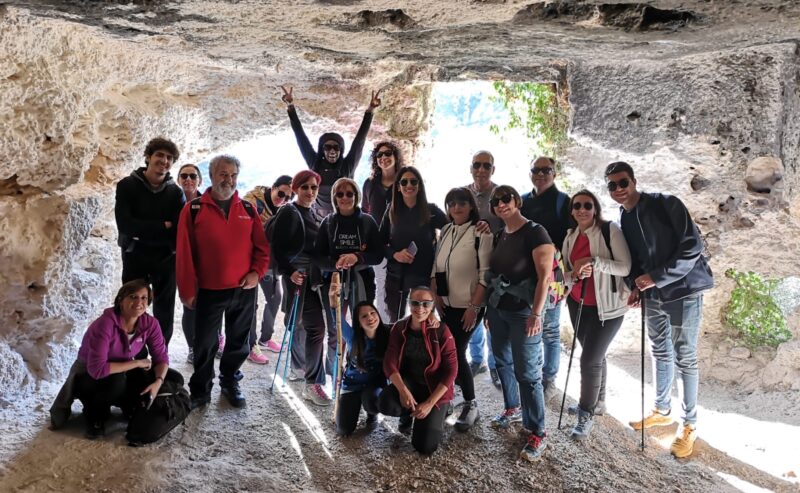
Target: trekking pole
572 351
642 302
289 330
338 367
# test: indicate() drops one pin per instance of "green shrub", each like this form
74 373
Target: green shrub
753 312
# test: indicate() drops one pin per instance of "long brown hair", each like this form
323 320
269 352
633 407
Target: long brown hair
359 336
397 197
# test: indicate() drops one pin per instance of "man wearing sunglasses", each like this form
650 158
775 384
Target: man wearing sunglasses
148 203
329 160
548 206
669 271
482 186
267 200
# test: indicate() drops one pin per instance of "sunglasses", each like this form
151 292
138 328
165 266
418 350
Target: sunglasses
423 304
542 171
313 188
478 165
453 203
284 195
348 194
384 154
405 182
506 199
331 147
613 185
185 176
576 206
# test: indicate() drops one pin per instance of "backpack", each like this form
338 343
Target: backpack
195 206
605 230
295 246
169 409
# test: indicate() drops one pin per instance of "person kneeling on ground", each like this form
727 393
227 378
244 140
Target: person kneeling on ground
363 378
421 363
106 372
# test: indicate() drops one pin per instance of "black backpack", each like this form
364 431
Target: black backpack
169 409
195 206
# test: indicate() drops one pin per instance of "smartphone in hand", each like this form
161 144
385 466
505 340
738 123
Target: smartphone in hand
412 248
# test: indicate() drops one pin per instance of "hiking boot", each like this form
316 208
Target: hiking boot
599 409
683 445
504 419
469 415
478 368
656 418
257 357
405 424
496 379
371 419
549 389
450 409
316 394
296 375
190 357
200 400
95 430
534 448
221 342
271 346
584 425
234 394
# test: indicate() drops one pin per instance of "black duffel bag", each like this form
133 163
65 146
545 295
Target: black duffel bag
169 409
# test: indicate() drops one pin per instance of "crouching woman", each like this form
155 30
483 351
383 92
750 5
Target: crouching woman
106 372
421 364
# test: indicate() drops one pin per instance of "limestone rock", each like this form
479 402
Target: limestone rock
699 182
740 352
763 173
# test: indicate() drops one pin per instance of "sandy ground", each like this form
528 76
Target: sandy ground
278 443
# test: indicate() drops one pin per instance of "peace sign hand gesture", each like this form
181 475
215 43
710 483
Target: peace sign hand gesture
375 101
287 95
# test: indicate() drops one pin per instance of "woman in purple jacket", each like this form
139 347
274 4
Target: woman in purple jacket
106 372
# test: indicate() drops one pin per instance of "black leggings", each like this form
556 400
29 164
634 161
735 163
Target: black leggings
595 337
452 317
118 389
350 404
427 433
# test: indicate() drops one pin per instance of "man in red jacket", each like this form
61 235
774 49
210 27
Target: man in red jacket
221 254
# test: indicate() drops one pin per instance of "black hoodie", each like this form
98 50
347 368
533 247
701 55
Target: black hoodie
345 167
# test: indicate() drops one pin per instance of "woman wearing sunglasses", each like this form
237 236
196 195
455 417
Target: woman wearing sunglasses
267 200
595 254
461 261
408 230
295 232
190 179
517 286
421 364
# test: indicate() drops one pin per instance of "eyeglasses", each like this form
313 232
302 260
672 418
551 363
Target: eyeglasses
507 198
331 147
349 194
613 185
284 195
453 203
423 304
384 154
313 188
478 164
542 171
576 206
405 182
185 176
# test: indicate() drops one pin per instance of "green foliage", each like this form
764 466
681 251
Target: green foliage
752 310
534 108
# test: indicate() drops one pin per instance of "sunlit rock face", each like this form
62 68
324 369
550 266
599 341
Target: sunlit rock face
690 92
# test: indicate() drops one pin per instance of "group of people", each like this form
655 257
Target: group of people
484 264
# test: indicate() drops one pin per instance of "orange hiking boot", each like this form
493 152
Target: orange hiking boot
683 445
656 418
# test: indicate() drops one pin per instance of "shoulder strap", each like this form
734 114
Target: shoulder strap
605 230
251 210
194 208
561 198
477 248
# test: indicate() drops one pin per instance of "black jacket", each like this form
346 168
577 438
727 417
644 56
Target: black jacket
376 199
397 236
292 243
141 211
542 209
357 234
315 159
665 243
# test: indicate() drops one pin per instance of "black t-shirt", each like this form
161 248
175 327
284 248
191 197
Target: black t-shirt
512 257
225 205
415 357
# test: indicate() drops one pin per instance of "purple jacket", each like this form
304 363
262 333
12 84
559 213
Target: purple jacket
107 342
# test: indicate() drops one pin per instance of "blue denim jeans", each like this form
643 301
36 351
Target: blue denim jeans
519 364
551 337
673 328
477 343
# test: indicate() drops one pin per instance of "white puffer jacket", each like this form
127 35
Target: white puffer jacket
605 271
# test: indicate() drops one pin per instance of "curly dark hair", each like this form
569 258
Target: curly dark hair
398 159
161 144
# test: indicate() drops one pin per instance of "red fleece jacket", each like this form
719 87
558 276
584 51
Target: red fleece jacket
441 348
216 253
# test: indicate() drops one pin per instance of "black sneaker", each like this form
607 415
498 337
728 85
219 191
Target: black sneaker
95 430
496 379
478 368
234 394
405 424
469 415
372 419
200 400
